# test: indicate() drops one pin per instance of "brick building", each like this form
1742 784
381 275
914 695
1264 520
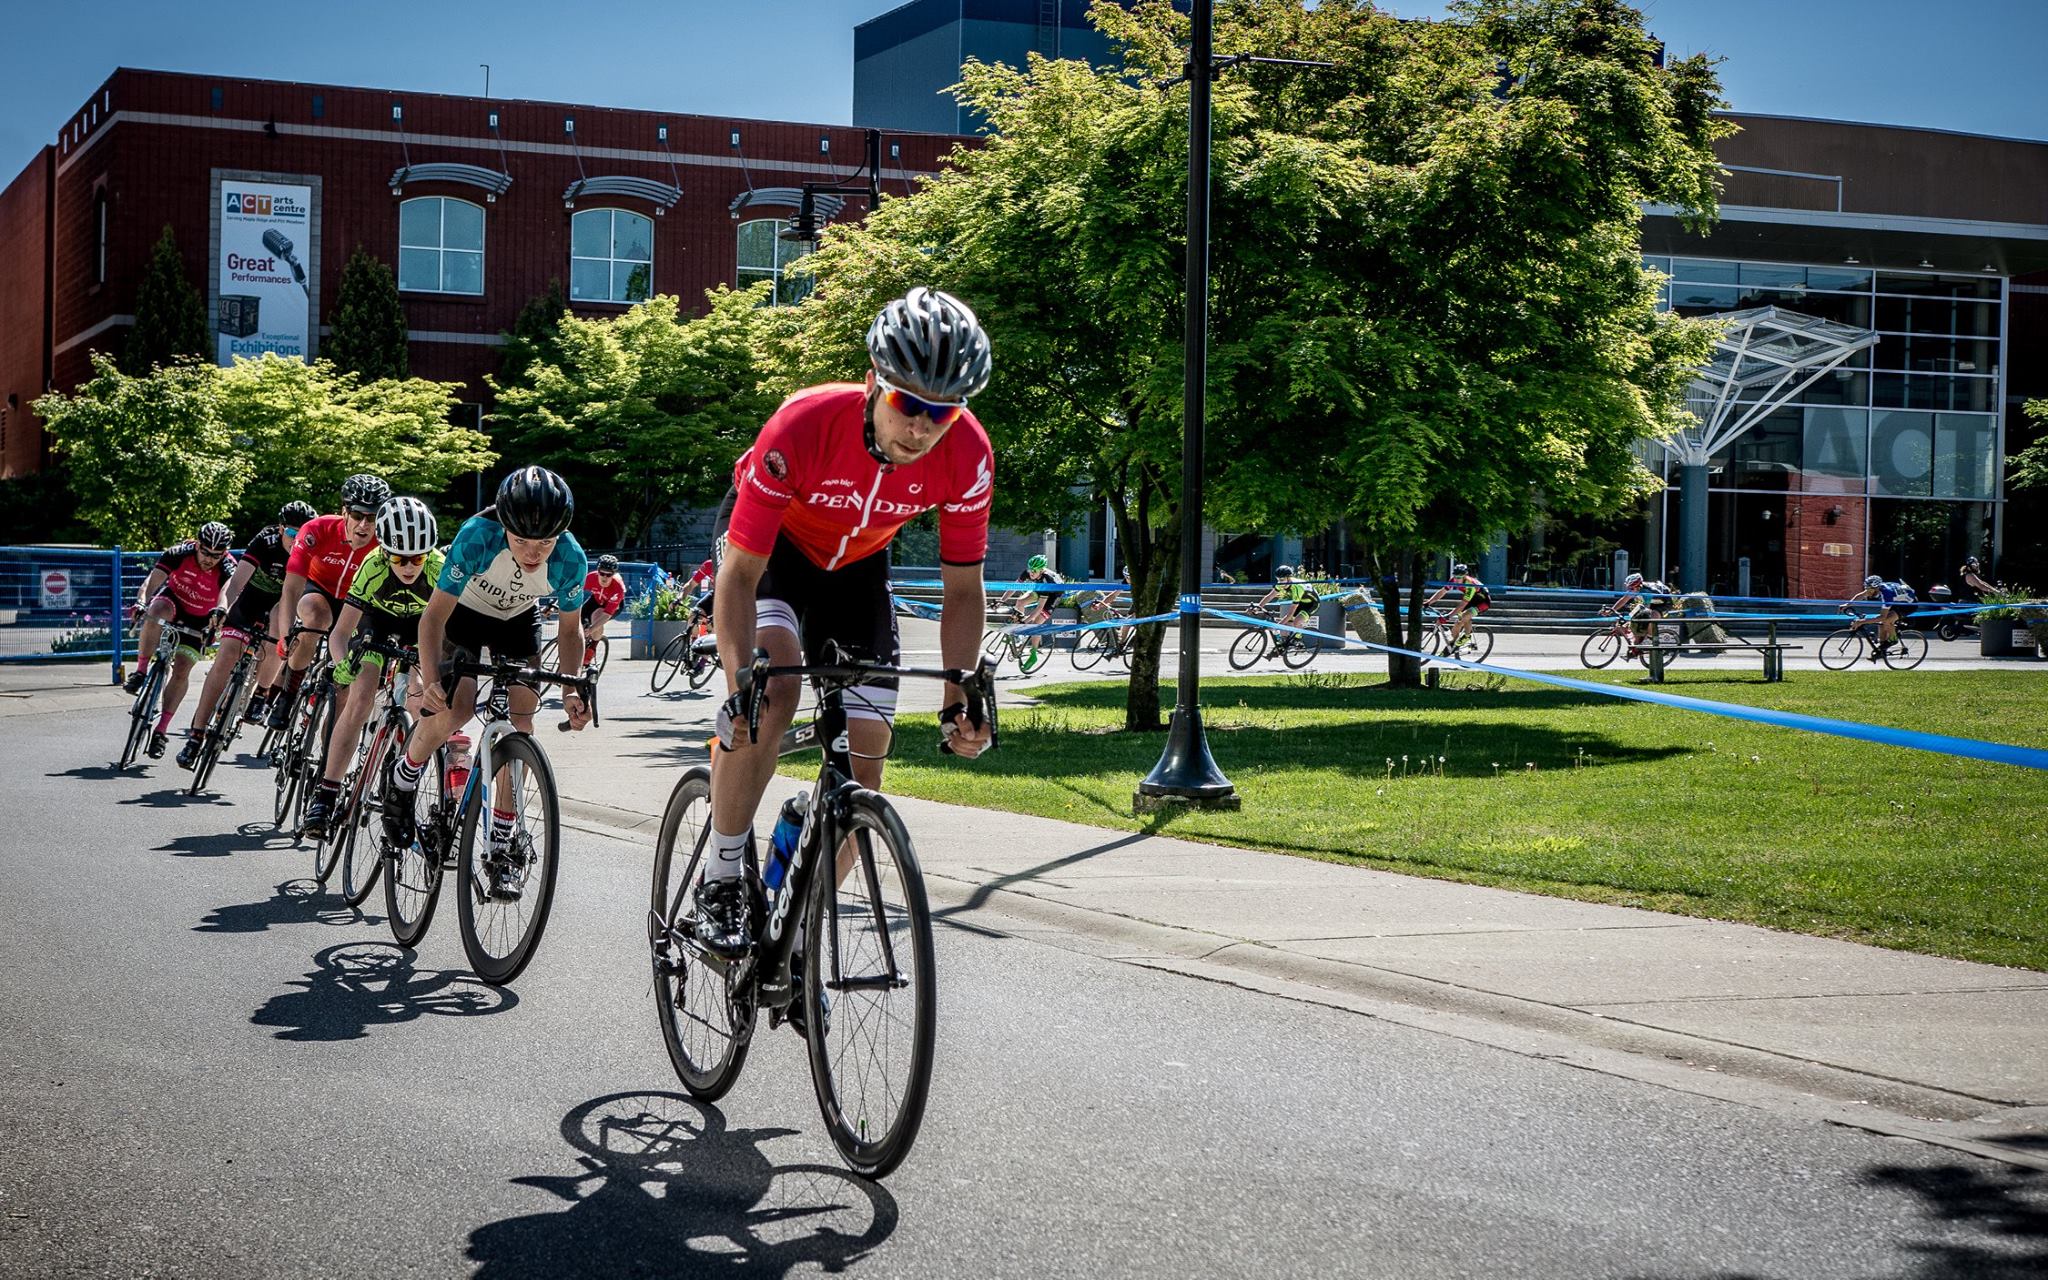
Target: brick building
476 204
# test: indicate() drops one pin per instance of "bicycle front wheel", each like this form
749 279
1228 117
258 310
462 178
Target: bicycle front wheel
219 734
1841 649
599 658
995 646
1248 648
667 663
548 654
1908 649
412 875
140 715
871 1004
1030 659
507 874
362 816
1089 648
1601 649
707 1021
286 785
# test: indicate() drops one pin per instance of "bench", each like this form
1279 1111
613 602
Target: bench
1773 650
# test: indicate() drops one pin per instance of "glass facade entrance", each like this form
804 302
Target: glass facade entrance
1889 464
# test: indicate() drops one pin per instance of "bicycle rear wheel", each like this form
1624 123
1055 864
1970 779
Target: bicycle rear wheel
362 816
1248 648
1478 644
505 889
871 1004
701 667
412 875
1601 649
219 732
1908 649
707 1019
293 746
1298 652
1089 649
1839 651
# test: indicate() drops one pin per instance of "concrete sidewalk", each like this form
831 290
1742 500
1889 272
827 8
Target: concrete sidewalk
1937 1050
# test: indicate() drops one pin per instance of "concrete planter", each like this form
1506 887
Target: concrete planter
650 636
2004 638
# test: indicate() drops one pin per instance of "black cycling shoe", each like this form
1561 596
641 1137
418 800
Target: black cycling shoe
507 864
319 812
133 684
256 710
721 924
398 825
188 755
280 713
157 743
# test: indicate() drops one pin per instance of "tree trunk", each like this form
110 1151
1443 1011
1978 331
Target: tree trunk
1403 672
1155 585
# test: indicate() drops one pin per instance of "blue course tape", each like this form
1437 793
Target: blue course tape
1057 628
1941 744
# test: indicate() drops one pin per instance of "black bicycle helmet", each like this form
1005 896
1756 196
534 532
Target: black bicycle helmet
534 502
214 536
929 344
296 513
607 564
364 493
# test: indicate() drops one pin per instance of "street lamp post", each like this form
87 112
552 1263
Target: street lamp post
1186 773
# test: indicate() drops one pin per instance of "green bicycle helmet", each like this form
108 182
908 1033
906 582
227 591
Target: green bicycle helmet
1035 564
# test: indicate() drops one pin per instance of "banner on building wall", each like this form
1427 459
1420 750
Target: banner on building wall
265 242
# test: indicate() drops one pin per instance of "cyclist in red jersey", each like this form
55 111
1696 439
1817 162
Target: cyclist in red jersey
832 476
183 590
324 560
604 594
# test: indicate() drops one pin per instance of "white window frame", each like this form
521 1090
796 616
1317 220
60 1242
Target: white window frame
612 261
441 250
775 272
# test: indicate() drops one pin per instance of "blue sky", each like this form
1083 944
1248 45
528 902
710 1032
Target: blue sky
1970 65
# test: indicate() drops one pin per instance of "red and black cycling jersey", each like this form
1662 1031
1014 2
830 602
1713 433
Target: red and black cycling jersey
268 552
809 477
195 587
323 556
606 597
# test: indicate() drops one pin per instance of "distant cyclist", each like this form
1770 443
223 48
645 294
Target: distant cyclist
1473 599
385 601
1972 574
1642 596
604 594
182 590
1300 597
251 601
1895 602
1034 604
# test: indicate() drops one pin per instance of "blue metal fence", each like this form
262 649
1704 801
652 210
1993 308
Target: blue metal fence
68 602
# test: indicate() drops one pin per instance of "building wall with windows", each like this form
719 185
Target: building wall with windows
474 203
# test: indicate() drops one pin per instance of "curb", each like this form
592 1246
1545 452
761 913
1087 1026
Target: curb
1593 1042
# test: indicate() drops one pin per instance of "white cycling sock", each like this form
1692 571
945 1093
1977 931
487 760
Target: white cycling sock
728 854
405 775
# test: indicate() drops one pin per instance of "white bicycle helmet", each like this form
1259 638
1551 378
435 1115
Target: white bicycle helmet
1873 581
1457 569
214 536
406 527
1633 580
929 343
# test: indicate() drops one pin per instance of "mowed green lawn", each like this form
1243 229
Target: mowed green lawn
1577 795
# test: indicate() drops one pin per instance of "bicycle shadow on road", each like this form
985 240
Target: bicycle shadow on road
295 902
175 797
666 1189
247 838
359 985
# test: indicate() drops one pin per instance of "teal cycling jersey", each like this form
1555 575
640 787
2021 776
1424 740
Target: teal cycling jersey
482 574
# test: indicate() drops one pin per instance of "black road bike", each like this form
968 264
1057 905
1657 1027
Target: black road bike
862 987
691 653
505 878
357 822
1255 644
142 714
227 713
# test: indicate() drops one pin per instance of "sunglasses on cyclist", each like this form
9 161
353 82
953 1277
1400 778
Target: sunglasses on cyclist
409 561
941 413
291 531
366 517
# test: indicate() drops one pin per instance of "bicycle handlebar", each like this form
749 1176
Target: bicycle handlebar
977 686
504 670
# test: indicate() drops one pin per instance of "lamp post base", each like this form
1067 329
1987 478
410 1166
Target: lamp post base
1186 773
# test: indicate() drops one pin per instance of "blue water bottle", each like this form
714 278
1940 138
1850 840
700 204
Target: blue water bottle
782 844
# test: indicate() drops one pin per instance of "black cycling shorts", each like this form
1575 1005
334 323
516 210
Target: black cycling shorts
470 633
847 607
251 611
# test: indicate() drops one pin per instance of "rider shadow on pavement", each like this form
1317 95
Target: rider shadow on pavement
247 838
175 797
91 772
294 902
664 1188
359 985
2005 1208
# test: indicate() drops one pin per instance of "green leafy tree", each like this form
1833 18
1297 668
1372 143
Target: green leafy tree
2028 469
170 318
313 425
368 337
536 336
1428 311
150 457
644 410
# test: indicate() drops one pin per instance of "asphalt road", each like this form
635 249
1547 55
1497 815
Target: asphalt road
208 1069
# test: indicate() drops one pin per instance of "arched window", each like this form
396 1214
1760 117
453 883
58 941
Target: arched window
765 257
440 246
611 256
